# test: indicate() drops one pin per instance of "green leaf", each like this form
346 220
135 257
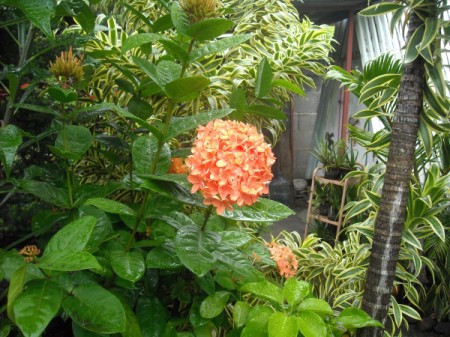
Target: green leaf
258 319
84 16
294 291
73 236
175 50
138 40
39 12
194 249
78 331
152 316
412 49
110 206
436 226
72 142
354 318
235 239
265 111
148 68
62 95
10 140
218 46
15 288
282 325
68 261
209 29
316 305
265 290
132 326
264 210
144 153
381 8
179 19
180 125
186 88
44 191
240 313
263 82
95 309
432 26
168 71
289 86
214 304
162 258
36 306
128 265
311 325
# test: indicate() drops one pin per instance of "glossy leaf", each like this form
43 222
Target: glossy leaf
180 125
128 265
218 46
209 29
257 324
214 304
234 238
186 88
36 306
152 316
132 326
265 290
62 95
194 249
168 71
53 195
311 325
83 15
96 309
138 40
288 85
162 258
40 13
110 206
144 153
353 318
78 331
175 49
68 261
148 68
263 82
432 26
282 325
294 291
179 19
264 210
381 8
240 313
412 50
73 236
72 142
10 140
15 288
266 111
316 305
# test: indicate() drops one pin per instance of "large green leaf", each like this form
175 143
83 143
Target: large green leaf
240 313
15 288
168 71
294 291
128 265
265 111
138 40
78 331
180 125
39 12
186 88
288 85
258 319
265 290
152 316
316 305
179 19
83 15
72 142
176 50
96 309
36 306
282 325
432 26
263 82
10 139
218 46
235 239
44 191
311 325
214 304
144 153
132 326
209 29
353 318
110 206
73 236
264 210
194 249
162 258
68 261
412 49
381 8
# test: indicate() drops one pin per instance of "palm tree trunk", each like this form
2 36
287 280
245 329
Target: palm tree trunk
392 212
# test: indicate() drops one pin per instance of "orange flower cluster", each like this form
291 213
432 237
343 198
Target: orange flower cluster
284 258
30 252
230 164
177 166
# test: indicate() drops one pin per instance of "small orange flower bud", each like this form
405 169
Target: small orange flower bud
68 66
284 258
177 166
30 252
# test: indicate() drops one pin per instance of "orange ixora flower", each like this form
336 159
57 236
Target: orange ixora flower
68 66
230 164
284 258
177 166
30 253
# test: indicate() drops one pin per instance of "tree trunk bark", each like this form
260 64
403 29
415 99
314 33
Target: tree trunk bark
392 211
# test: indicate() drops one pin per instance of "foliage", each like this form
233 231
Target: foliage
119 244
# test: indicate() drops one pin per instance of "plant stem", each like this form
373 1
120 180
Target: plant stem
185 64
207 216
138 221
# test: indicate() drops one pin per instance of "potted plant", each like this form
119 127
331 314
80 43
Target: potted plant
326 153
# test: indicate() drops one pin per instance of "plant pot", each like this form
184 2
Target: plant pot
332 213
332 173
